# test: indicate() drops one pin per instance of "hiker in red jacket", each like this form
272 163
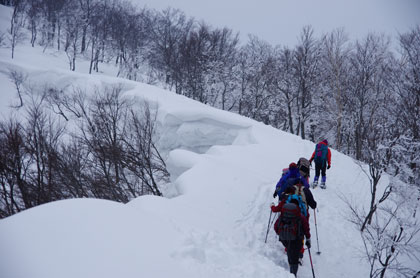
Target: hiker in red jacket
291 219
322 158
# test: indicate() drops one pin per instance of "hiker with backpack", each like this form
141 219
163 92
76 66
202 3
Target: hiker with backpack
291 177
291 227
304 167
302 194
322 158
305 200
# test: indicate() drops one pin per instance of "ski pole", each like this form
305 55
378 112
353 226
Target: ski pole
272 221
268 227
310 258
316 230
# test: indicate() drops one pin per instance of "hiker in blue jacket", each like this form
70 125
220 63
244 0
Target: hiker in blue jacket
291 178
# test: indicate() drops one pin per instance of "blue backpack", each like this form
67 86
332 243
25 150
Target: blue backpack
302 204
321 151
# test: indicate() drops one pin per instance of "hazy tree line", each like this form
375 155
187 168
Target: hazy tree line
109 152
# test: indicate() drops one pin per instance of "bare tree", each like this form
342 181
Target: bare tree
73 31
16 24
43 134
34 16
73 170
2 39
18 78
142 156
390 236
14 192
119 139
29 155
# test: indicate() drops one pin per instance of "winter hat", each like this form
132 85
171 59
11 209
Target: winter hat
292 165
325 141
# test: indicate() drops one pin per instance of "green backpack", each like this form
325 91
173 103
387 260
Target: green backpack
321 151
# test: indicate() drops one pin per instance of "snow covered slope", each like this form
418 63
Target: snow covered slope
223 168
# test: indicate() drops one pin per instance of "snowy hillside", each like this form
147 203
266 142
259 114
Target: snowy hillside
213 220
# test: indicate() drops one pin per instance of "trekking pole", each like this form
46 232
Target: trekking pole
316 230
274 219
268 226
310 258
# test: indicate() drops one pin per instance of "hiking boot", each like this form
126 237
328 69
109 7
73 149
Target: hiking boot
314 184
323 185
294 268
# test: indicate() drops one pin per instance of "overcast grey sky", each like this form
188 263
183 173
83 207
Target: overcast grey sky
280 21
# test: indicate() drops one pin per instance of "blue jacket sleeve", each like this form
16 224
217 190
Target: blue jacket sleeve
304 182
280 185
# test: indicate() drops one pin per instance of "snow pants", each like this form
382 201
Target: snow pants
293 250
320 167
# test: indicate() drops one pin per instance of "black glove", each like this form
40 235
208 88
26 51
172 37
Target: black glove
308 242
275 193
329 166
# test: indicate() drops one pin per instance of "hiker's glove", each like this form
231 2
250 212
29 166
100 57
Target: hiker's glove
308 243
275 193
329 166
272 205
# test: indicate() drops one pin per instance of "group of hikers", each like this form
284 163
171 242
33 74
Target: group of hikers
295 198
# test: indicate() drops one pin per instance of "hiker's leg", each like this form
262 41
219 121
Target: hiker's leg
317 172
294 268
293 251
324 176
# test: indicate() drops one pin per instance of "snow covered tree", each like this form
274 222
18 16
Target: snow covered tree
256 63
335 69
407 84
222 79
367 89
307 72
168 29
284 90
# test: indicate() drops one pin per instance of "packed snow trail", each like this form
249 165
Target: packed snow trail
214 220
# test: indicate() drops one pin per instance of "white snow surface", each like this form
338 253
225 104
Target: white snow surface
214 219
